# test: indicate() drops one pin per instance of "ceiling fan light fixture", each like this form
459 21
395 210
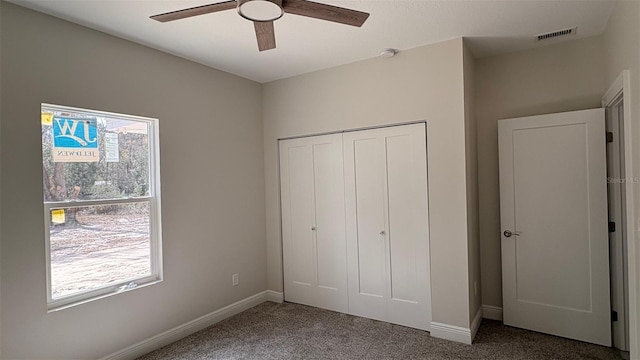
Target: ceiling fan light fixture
260 10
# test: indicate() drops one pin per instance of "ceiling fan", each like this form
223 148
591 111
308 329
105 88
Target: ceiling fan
264 12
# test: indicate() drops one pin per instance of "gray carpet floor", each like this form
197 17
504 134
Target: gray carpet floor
291 331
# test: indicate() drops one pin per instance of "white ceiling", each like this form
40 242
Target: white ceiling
226 41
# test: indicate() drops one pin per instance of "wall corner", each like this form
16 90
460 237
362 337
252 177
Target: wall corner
471 167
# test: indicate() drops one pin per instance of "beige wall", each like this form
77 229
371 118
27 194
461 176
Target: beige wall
471 156
212 184
425 83
555 78
622 51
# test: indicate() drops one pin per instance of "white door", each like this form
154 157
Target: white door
553 204
387 224
313 228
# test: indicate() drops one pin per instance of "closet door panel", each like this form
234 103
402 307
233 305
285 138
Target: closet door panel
330 232
404 259
369 193
313 228
301 203
366 247
410 302
387 224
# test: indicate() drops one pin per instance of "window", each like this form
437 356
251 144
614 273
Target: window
101 183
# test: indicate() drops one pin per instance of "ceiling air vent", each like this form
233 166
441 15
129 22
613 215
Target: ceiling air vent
556 34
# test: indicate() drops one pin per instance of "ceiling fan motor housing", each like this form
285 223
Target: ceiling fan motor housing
260 10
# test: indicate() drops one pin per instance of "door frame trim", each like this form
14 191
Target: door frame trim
381 126
622 85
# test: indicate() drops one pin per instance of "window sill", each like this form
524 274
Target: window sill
66 303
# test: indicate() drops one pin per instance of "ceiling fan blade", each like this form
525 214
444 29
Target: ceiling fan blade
195 11
325 12
265 34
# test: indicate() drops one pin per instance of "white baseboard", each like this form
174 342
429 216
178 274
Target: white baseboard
274 296
492 312
457 333
451 332
155 342
475 324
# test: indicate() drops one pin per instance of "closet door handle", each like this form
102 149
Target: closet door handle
382 232
509 233
313 228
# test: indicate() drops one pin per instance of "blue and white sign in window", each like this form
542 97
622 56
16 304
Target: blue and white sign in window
75 139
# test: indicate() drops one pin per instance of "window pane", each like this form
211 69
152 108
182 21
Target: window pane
97 246
93 157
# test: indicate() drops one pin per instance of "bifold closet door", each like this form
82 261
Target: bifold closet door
313 222
387 224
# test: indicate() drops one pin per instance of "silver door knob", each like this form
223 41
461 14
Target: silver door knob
382 232
509 233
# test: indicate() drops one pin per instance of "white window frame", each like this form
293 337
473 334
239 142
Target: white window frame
155 223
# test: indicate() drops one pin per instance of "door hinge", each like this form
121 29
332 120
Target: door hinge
612 226
614 316
609 136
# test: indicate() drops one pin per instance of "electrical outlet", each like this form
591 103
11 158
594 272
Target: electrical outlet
235 280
